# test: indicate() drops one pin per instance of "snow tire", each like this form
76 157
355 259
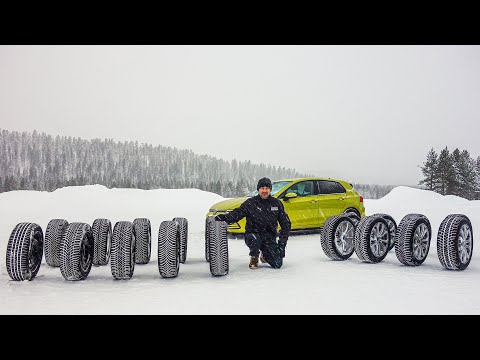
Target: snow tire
183 223
54 234
337 237
122 256
24 251
102 236
77 252
412 239
372 239
218 247
455 242
169 249
143 233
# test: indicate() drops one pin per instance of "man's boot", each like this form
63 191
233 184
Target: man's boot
253 262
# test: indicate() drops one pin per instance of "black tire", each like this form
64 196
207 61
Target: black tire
77 252
337 237
122 256
143 234
353 216
367 227
208 222
53 241
102 236
392 227
24 251
169 249
183 223
218 247
455 242
412 239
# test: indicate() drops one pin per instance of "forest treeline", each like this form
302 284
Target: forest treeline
39 161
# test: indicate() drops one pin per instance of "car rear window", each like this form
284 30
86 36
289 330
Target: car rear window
330 187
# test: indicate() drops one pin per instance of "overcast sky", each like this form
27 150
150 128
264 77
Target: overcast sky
366 114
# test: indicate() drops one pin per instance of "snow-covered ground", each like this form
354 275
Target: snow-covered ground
308 283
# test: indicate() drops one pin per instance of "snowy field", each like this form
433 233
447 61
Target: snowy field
308 283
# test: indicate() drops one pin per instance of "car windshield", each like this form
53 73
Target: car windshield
276 187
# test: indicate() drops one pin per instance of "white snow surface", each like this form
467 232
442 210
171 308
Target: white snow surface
308 283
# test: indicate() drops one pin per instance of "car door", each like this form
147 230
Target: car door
303 209
331 199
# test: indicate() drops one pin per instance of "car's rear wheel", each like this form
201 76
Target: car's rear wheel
455 242
372 239
354 215
337 237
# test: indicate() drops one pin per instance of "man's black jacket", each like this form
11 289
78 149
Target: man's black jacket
262 217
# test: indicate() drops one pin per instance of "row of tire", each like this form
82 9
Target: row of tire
75 247
372 237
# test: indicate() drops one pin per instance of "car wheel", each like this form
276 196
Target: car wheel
218 247
392 228
122 256
337 237
24 251
353 214
168 249
455 242
77 252
143 236
372 239
102 237
412 239
183 224
53 241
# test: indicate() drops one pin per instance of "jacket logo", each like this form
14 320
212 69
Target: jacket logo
274 208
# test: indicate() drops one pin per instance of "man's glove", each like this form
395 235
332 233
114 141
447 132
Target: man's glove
221 217
282 244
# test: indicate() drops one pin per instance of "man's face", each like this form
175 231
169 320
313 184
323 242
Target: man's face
264 192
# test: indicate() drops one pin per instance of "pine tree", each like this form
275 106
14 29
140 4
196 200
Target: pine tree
466 176
429 170
446 173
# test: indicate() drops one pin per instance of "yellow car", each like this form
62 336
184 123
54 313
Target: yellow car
309 202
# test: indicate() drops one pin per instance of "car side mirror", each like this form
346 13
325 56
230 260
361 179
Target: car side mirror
290 195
